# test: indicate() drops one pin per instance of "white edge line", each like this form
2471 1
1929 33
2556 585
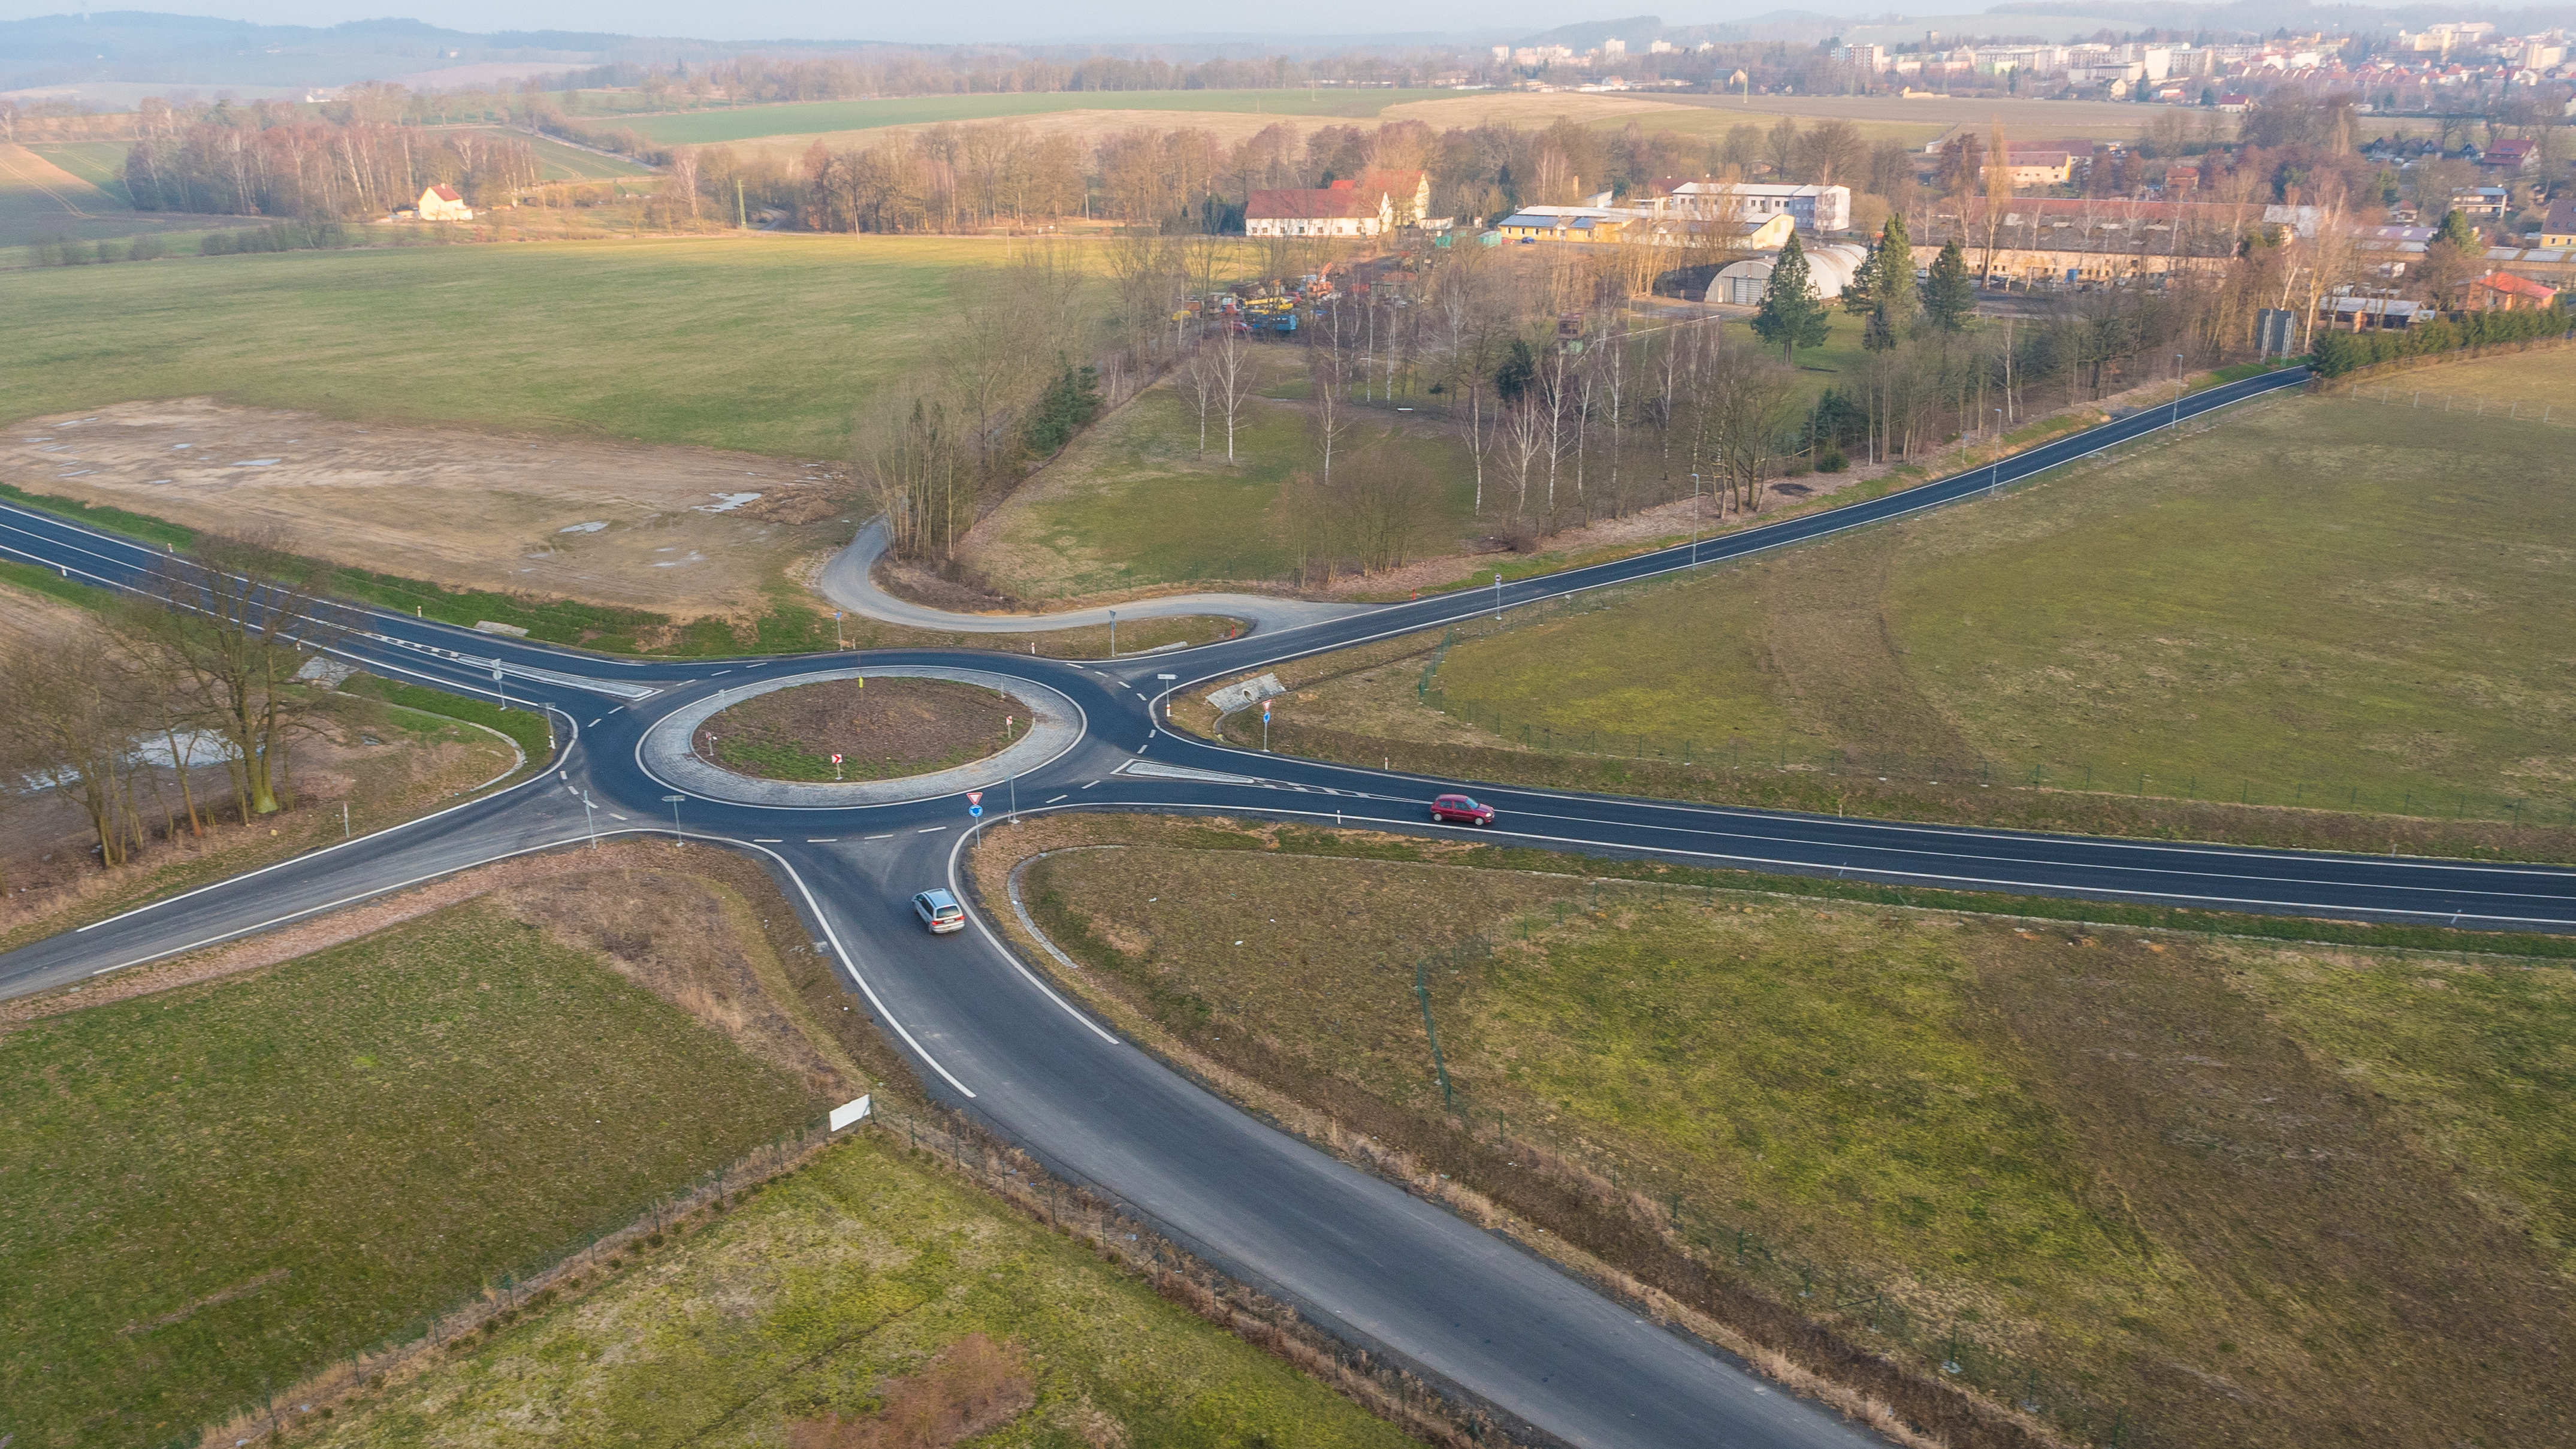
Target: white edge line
850 964
1013 957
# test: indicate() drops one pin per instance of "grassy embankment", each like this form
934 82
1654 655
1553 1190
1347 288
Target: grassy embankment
2206 1190
2316 607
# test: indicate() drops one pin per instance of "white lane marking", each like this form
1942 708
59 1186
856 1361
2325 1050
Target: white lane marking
594 724
719 674
767 840
613 815
1059 797
613 711
821 839
848 964
1013 957
1095 782
930 830
887 836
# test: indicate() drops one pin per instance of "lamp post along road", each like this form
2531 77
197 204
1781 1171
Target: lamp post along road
1694 554
674 802
2176 420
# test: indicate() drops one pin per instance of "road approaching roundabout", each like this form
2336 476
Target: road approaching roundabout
1466 1309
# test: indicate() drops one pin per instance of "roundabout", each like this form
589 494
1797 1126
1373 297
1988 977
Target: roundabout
669 754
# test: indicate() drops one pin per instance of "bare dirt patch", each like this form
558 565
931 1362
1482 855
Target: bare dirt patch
882 729
682 531
34 621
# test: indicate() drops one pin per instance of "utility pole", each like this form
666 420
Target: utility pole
2176 420
741 218
1995 465
1694 520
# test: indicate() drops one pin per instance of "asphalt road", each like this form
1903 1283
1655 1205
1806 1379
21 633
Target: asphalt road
987 1035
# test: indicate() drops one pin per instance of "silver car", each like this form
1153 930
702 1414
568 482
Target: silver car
939 911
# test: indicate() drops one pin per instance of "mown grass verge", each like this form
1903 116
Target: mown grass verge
532 732
2143 1185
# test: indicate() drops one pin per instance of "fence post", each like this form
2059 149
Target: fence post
1421 990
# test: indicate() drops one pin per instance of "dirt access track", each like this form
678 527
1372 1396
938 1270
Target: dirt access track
688 532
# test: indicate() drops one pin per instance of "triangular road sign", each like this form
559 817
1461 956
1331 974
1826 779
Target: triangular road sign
974 797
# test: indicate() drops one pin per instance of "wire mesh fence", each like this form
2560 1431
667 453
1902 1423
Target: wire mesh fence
1861 1306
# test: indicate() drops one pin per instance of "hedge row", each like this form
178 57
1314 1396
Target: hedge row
2338 353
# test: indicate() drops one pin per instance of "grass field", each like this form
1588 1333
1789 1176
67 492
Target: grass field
2233 1194
1133 503
77 190
219 1189
767 344
2322 603
747 123
839 1292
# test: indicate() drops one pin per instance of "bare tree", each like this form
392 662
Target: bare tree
1522 436
72 726
908 460
1328 415
1196 380
1230 363
237 619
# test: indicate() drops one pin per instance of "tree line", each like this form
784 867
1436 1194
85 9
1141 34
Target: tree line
198 666
268 159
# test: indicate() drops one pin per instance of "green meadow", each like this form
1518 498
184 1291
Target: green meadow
764 343
214 1191
2318 602
747 123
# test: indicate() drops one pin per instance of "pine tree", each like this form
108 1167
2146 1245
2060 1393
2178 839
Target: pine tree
1791 315
1884 290
1949 294
2456 230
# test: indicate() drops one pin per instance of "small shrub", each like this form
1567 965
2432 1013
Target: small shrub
1800 468
1832 461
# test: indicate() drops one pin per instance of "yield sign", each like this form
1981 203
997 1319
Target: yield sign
974 797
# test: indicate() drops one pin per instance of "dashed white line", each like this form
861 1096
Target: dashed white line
821 839
879 837
1059 797
930 830
768 840
1095 782
594 724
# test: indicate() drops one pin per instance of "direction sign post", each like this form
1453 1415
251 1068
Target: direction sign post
836 767
1498 595
1265 727
674 802
498 687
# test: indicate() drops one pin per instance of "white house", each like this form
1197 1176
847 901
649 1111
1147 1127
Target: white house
441 203
1372 205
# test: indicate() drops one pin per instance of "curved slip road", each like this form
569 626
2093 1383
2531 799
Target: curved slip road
849 580
988 1036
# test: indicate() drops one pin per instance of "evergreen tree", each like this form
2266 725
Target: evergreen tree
1792 315
1068 404
1949 294
1884 290
2455 229
1518 371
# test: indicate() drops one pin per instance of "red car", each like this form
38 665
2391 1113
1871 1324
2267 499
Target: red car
1459 810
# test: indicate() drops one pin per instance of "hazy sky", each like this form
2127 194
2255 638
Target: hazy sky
1003 20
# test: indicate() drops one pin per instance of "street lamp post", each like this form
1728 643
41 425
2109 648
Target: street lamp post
1498 595
674 802
2176 420
1113 633
590 817
1995 465
836 632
